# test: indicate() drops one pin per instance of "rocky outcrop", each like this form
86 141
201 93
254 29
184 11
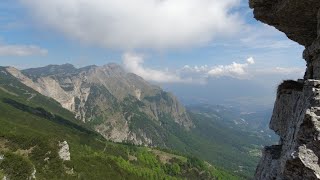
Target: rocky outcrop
296 18
296 119
296 115
33 174
64 152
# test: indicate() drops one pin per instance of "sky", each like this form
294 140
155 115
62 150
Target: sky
176 44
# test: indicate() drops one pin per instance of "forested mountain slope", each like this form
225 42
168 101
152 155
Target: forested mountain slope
122 107
39 139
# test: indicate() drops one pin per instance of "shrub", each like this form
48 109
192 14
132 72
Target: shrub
16 167
290 85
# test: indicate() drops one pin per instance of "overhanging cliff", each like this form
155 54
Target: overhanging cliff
296 115
296 18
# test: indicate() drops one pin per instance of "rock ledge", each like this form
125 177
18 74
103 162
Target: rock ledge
296 114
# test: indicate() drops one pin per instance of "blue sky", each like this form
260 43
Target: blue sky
177 41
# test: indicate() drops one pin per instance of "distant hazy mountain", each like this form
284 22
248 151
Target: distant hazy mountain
240 93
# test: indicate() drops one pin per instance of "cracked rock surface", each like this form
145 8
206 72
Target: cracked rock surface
296 114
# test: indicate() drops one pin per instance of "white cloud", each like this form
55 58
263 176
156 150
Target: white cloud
134 63
282 71
21 50
232 70
199 74
139 24
195 69
235 70
250 60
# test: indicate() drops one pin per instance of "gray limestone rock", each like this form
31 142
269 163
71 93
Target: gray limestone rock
64 152
296 115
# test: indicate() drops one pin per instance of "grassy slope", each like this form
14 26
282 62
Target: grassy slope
29 135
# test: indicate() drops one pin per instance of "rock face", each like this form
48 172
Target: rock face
296 18
107 98
296 115
64 152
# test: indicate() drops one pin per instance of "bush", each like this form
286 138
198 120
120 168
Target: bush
290 85
16 167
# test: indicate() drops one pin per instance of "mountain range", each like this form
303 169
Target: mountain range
109 99
40 139
122 107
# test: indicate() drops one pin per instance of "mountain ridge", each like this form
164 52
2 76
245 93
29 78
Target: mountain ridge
143 117
39 139
99 95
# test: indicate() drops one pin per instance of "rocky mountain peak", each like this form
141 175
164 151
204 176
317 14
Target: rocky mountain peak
296 111
108 99
113 69
114 66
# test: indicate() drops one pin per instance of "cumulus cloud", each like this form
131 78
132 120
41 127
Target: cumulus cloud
138 24
236 70
250 60
21 50
200 74
134 63
195 69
